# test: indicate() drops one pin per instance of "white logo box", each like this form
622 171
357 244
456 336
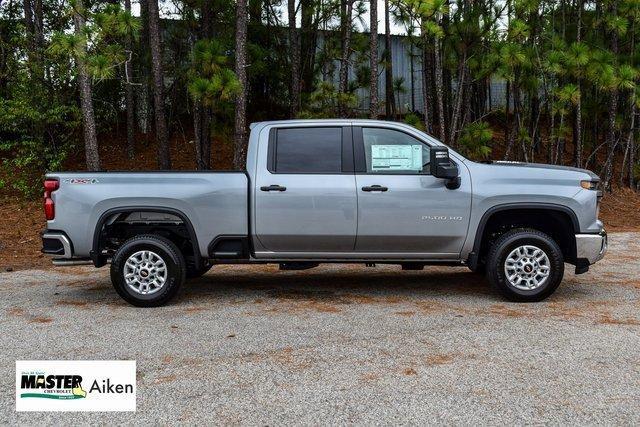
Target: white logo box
75 385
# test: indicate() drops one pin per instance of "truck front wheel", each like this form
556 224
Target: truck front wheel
147 270
525 265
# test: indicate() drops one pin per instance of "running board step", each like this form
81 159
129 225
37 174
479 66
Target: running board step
71 261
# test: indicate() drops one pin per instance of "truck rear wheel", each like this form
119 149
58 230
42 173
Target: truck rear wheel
525 265
147 270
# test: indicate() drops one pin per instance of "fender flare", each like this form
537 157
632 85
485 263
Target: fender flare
473 255
99 260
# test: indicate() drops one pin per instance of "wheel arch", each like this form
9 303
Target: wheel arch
530 208
96 248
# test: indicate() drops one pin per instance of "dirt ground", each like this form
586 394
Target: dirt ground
343 344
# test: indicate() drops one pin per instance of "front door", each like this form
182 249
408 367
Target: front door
306 201
401 207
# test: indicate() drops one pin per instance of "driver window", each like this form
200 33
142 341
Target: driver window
390 151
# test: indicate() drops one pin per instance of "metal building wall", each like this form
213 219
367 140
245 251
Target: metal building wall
401 62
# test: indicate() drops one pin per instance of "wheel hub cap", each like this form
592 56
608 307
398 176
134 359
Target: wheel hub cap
145 272
527 267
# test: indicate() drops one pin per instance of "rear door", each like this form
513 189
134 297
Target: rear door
402 209
305 202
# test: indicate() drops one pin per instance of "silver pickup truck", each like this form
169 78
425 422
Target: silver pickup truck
339 191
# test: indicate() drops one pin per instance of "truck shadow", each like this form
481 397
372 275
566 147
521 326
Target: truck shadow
233 283
343 284
337 282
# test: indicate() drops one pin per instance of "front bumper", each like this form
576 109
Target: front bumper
590 248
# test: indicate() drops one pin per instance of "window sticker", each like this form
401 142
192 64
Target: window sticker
396 157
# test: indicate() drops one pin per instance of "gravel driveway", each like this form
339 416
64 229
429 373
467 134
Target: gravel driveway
343 344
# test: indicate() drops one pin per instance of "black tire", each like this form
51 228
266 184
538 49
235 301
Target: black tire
512 240
161 247
194 273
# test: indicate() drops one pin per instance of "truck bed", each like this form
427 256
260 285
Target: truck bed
214 203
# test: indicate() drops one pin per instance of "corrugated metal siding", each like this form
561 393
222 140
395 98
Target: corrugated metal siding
401 62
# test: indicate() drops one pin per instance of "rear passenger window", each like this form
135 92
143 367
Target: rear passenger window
309 150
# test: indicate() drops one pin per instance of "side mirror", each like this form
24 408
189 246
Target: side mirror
443 167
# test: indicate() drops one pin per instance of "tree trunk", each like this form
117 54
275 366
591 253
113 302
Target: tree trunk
346 54
30 27
577 133
162 136
35 62
39 27
390 107
197 133
507 97
457 110
560 144
86 103
577 126
4 56
206 19
442 133
307 45
202 114
411 73
294 42
240 146
550 137
446 73
143 93
373 60
534 98
534 124
202 133
427 79
129 101
517 93
632 133
612 111
33 21
632 148
628 151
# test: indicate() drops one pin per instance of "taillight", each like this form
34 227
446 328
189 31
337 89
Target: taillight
50 185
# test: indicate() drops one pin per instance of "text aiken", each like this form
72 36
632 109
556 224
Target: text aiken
106 387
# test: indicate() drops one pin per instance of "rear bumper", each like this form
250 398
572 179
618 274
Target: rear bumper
56 244
591 248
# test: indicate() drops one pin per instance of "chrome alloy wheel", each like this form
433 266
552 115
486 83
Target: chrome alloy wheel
145 272
527 267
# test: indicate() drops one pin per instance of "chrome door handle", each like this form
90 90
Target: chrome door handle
374 188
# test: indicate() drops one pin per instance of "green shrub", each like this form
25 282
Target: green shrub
475 140
34 140
414 120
